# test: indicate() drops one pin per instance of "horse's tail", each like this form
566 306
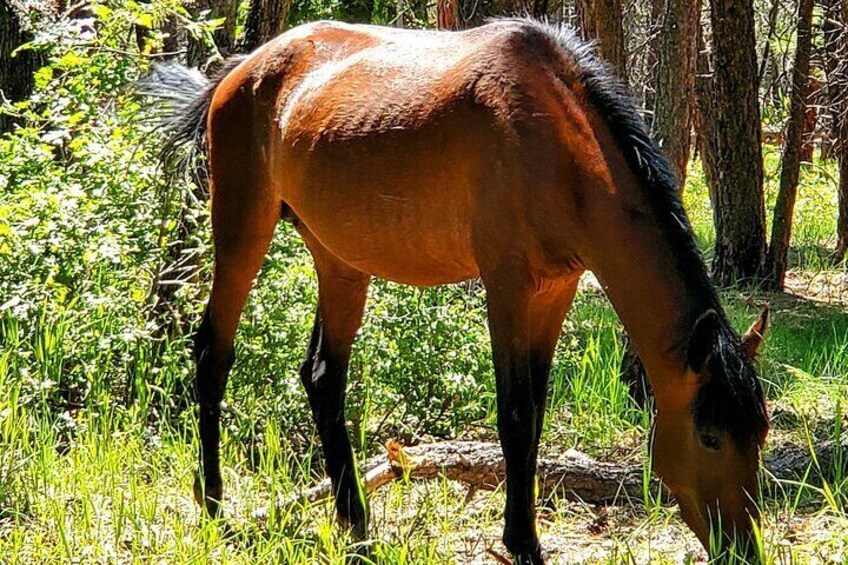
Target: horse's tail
182 97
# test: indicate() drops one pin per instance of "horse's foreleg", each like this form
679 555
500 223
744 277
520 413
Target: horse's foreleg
524 326
547 312
508 297
341 302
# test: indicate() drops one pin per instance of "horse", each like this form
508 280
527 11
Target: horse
508 153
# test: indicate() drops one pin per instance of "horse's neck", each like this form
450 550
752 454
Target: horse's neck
657 296
653 303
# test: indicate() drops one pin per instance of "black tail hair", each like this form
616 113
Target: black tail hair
182 97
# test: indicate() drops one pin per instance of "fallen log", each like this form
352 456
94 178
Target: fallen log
573 475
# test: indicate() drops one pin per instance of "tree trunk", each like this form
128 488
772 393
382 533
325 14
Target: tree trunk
836 65
675 81
811 117
197 52
842 194
772 25
17 74
447 14
171 41
359 11
781 229
656 11
602 21
265 20
738 200
704 115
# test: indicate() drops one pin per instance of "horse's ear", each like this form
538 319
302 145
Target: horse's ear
703 340
753 338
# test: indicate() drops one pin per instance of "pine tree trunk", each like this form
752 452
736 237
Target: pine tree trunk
704 115
836 65
477 12
602 21
781 230
842 219
265 20
359 11
17 74
811 118
738 200
675 81
649 88
772 25
197 52
171 41
447 14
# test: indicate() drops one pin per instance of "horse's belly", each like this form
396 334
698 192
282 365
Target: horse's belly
408 264
412 236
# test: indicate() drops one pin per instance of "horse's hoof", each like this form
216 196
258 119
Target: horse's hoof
358 529
211 502
534 558
361 554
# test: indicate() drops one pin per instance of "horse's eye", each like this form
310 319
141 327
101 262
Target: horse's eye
710 442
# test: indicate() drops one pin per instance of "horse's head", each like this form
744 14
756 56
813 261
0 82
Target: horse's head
708 434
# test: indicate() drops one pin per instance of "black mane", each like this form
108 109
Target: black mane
733 398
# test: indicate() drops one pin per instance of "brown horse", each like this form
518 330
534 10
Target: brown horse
506 152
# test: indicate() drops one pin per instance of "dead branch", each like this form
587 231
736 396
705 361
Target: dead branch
573 475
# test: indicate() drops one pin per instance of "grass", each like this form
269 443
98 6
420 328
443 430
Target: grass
98 441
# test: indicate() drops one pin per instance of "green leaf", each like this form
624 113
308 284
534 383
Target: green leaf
144 20
101 11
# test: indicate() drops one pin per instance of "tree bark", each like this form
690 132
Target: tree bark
781 231
572 475
738 200
836 66
675 81
772 25
265 20
358 11
479 11
842 195
17 73
811 117
705 115
197 52
602 21
447 14
656 10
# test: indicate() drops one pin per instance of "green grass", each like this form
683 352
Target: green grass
98 440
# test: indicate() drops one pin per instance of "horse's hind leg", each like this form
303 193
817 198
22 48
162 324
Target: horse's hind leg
341 302
243 219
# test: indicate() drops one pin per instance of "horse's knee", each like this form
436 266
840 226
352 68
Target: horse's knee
516 423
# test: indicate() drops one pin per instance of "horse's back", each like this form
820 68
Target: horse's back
392 147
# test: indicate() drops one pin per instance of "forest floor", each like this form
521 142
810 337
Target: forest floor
98 442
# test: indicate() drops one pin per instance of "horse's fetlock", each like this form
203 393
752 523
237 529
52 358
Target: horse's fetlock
521 544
